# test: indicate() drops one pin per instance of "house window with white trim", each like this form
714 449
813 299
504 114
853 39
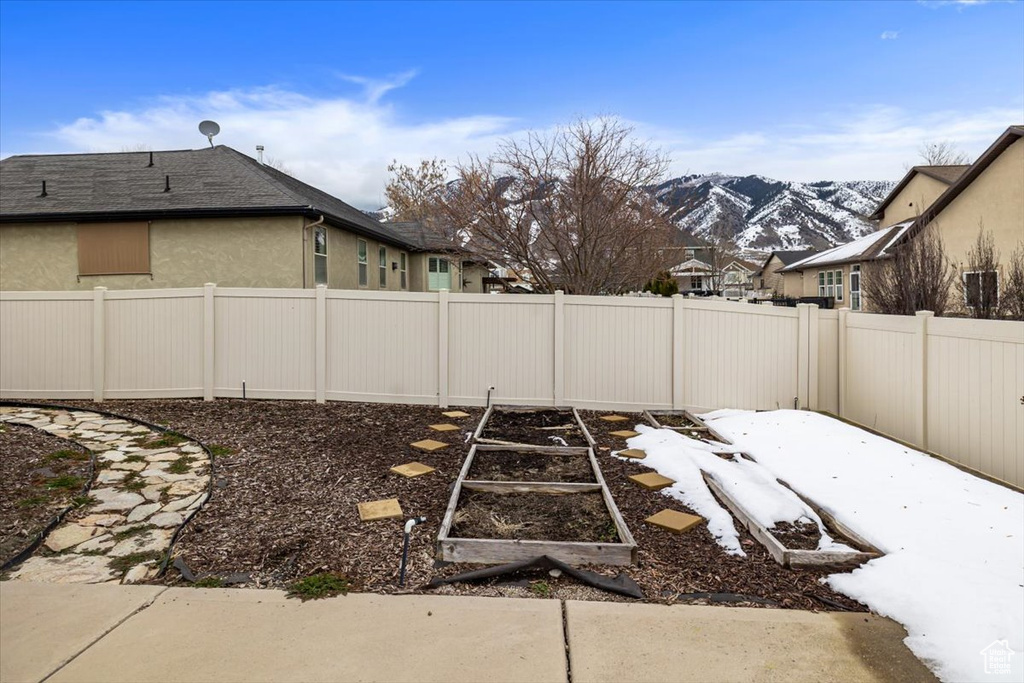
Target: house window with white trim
364 275
830 284
981 289
402 271
320 255
382 263
855 303
839 285
439 274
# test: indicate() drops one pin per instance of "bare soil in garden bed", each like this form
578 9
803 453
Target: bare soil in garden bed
682 424
802 536
540 428
577 517
520 466
40 474
288 475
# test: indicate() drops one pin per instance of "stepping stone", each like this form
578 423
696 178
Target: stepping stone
614 418
428 445
100 520
115 501
651 480
379 509
104 542
66 569
110 477
154 540
625 433
634 453
674 521
455 414
166 519
412 469
181 503
69 535
143 511
444 428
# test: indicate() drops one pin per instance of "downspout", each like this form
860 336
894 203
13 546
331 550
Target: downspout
306 231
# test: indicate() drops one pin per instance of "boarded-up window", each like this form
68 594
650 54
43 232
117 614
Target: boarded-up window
113 248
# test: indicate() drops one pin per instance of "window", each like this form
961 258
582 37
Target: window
364 275
402 271
839 285
981 289
830 284
320 255
438 274
821 283
113 248
382 262
855 287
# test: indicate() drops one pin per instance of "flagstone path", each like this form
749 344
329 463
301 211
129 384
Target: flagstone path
147 485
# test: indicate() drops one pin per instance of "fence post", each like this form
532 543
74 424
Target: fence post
841 363
813 344
209 343
803 354
442 348
678 356
921 409
99 344
320 367
559 388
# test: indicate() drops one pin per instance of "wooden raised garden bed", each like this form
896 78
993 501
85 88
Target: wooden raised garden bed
797 557
518 515
557 427
684 422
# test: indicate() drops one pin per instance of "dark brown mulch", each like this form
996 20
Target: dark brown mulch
693 562
674 420
578 517
31 463
537 428
283 505
520 466
803 536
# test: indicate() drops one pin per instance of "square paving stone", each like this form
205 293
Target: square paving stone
614 418
625 433
428 445
651 480
455 414
674 521
444 428
634 453
379 509
412 469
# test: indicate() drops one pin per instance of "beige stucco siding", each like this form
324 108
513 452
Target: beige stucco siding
233 252
919 193
792 284
996 200
343 263
772 278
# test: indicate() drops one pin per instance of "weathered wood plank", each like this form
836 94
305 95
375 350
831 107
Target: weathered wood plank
551 487
826 558
772 544
847 534
530 448
449 514
583 426
498 551
483 423
696 420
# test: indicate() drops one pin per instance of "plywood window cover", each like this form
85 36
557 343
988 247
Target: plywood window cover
113 248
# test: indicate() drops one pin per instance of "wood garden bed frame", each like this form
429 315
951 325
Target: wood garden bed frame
478 438
496 551
699 425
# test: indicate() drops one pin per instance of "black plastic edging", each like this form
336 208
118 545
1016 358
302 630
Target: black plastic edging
155 427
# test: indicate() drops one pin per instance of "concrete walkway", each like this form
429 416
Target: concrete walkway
101 633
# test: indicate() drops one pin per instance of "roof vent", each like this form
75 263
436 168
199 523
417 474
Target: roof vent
259 154
43 193
167 183
150 164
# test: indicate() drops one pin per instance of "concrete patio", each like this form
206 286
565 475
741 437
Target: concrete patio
149 633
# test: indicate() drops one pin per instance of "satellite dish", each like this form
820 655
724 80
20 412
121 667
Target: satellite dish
209 129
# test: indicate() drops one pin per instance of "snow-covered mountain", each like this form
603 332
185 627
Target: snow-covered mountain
758 213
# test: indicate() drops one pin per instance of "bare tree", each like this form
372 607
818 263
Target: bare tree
569 208
942 153
278 165
1012 295
415 193
979 280
918 277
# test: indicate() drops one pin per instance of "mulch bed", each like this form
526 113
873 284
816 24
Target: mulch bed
40 475
803 536
536 428
520 466
580 517
283 506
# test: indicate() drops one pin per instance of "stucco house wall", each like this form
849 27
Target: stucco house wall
920 192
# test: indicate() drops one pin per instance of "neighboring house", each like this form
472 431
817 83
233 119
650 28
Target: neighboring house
769 281
183 218
441 264
955 201
737 278
693 276
733 279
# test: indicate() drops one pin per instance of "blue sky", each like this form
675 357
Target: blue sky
798 91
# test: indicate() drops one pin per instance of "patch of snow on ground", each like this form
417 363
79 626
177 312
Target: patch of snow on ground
953 574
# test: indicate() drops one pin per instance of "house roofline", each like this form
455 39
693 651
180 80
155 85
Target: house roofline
923 170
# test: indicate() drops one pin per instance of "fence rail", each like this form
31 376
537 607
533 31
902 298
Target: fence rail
947 385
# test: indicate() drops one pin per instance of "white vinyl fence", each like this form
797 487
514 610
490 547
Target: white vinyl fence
946 385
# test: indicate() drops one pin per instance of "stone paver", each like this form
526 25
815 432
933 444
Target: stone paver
133 485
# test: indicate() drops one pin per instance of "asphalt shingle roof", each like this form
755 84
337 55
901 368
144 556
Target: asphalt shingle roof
211 181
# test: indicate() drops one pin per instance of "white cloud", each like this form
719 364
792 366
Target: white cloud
960 4
343 145
890 35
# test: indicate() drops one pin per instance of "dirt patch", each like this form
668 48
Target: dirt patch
674 420
541 428
800 536
40 474
519 466
579 517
